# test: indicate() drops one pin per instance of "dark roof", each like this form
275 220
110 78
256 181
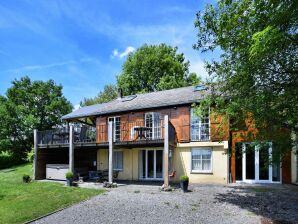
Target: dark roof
172 97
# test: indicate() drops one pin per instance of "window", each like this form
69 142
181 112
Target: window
199 127
118 160
116 131
152 121
201 160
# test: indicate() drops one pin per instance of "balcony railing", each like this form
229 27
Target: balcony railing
61 135
127 131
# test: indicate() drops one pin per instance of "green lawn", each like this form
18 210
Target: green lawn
22 202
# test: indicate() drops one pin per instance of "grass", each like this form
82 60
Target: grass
23 202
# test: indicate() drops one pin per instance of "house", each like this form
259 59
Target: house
148 136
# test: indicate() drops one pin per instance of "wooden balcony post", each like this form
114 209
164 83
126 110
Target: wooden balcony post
110 135
34 177
166 152
71 149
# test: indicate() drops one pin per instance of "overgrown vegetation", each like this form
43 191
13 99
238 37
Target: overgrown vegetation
257 73
23 202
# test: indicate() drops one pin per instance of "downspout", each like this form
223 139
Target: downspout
229 156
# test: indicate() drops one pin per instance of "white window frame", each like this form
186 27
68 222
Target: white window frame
154 166
114 129
257 168
155 135
199 127
211 160
117 168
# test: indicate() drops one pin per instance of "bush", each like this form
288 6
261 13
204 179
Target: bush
30 156
184 178
26 178
9 159
69 175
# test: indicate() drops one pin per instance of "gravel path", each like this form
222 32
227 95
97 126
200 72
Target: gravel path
205 204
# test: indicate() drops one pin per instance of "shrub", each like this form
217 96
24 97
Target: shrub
9 159
69 175
184 178
30 156
26 178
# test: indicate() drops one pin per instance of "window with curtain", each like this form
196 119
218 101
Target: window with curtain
201 160
199 127
118 160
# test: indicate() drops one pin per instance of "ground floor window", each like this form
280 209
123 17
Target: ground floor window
201 160
118 160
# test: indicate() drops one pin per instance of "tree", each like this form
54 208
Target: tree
29 105
109 93
257 69
155 67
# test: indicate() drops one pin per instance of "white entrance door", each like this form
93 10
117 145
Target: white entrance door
151 164
256 165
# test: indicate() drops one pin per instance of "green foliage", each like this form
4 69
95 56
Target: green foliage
29 105
109 93
184 178
153 68
30 156
69 175
9 159
257 69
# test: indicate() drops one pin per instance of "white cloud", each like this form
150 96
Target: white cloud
120 55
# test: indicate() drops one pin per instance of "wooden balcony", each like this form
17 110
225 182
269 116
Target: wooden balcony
125 134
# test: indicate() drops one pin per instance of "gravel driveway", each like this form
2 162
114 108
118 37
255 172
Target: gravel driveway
205 204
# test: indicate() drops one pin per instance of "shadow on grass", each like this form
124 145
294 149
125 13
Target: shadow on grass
275 205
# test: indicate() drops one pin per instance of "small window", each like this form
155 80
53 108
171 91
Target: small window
128 98
201 160
118 160
200 88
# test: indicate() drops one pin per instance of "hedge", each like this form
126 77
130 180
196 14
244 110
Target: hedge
8 159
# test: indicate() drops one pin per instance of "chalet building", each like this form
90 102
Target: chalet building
156 136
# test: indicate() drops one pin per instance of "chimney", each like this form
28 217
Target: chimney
119 93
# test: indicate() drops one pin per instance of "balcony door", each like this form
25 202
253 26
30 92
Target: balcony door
116 129
152 121
151 164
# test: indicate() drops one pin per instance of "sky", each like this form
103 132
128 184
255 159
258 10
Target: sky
83 44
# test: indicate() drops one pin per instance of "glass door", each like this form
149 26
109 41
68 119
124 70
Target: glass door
263 163
159 163
152 121
116 128
151 164
257 166
249 162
